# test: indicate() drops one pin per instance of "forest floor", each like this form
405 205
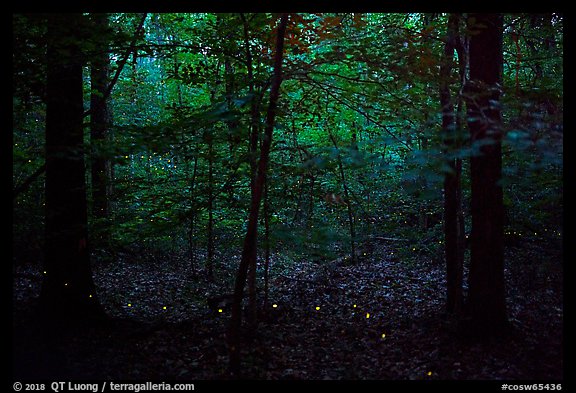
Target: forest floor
381 319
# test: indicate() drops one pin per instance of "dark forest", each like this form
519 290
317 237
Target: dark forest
298 196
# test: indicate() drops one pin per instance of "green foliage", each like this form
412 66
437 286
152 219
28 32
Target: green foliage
359 90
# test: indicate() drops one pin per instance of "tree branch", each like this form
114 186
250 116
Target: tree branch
22 187
122 62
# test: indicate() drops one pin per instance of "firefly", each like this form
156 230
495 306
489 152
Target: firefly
317 308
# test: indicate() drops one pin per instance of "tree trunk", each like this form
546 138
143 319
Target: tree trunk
252 153
249 248
193 214
351 225
266 241
486 300
210 245
68 290
109 88
100 119
452 243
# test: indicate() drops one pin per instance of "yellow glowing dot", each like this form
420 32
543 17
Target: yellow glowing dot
219 310
429 373
367 315
164 308
383 335
413 248
274 305
354 306
65 284
89 296
317 308
45 272
125 156
129 304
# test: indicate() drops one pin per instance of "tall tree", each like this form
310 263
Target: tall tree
210 228
21 188
452 184
486 299
347 201
252 154
68 289
100 117
250 241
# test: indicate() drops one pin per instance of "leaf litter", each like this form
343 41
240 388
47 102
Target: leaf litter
381 319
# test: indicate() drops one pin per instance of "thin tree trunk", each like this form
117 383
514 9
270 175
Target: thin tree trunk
210 245
297 218
230 86
454 265
192 241
100 120
250 244
348 200
462 50
311 200
177 77
254 110
252 153
266 241
26 183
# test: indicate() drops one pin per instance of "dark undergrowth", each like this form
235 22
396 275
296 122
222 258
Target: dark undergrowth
381 319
